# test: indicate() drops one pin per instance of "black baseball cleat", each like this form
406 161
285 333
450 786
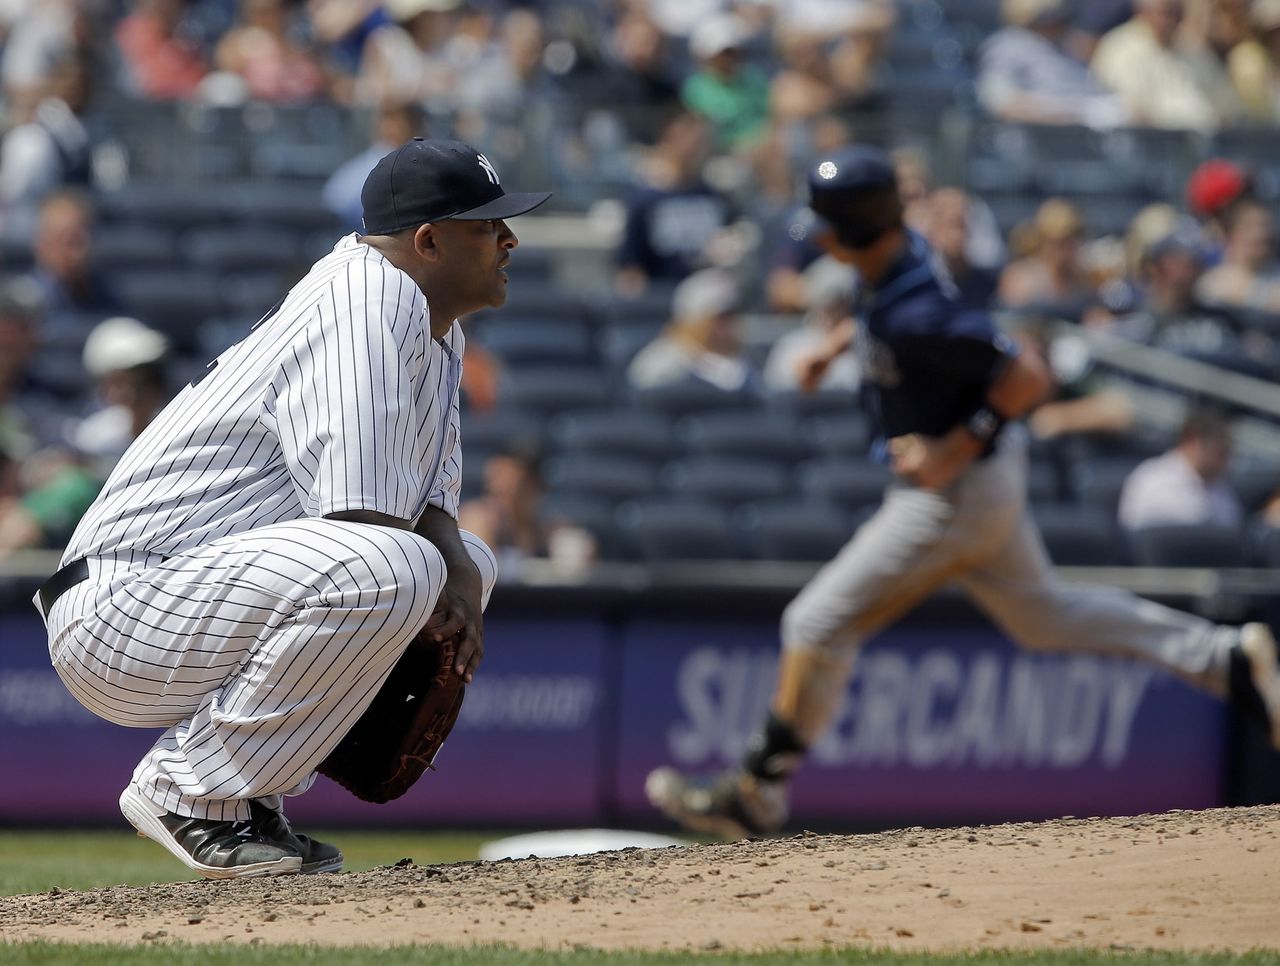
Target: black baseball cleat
1255 678
316 856
213 849
732 804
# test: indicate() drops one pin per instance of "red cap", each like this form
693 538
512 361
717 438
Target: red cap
1214 185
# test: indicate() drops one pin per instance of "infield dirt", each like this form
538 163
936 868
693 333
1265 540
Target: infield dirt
1183 880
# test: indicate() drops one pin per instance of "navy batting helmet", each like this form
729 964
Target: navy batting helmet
853 192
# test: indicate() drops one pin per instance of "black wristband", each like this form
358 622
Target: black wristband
985 424
774 753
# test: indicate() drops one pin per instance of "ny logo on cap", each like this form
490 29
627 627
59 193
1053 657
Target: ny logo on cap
488 168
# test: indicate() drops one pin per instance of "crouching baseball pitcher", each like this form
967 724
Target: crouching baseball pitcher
274 570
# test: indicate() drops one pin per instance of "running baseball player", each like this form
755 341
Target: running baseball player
265 551
945 386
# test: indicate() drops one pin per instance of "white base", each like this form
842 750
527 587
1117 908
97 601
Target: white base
548 845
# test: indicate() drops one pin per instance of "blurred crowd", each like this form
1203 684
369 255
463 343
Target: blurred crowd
703 113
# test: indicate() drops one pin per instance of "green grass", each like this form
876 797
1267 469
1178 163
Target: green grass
38 860
47 954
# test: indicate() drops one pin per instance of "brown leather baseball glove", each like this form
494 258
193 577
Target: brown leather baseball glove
399 734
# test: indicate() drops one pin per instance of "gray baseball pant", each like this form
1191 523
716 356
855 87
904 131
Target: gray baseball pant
978 534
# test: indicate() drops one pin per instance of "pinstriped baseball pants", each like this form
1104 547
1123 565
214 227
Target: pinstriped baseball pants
257 652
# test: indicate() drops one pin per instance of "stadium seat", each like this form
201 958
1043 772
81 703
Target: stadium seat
1042 483
651 307
824 402
538 298
621 432
768 435
1267 542
1189 546
691 396
16 256
1254 482
1078 536
68 330
1098 482
129 246
982 15
1041 450
61 369
279 204
1089 176
535 263
1134 446
281 159
604 477
620 344
678 530
169 204
1110 214
256 292
726 480
839 434
848 481
317 244
473 462
215 335
552 389
518 340
791 530
1261 141
242 248
174 301
183 369
923 49
504 428
992 175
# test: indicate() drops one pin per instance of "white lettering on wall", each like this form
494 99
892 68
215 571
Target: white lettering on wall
929 710
547 702
36 697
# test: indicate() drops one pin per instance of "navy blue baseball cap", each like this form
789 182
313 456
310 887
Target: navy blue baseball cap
841 186
435 180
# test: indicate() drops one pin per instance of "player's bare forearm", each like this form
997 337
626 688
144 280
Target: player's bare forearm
458 611
371 517
811 369
934 462
1023 385
442 530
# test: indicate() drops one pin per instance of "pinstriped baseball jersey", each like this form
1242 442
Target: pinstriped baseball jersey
339 399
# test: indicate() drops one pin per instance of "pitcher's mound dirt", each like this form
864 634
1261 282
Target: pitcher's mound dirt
1184 880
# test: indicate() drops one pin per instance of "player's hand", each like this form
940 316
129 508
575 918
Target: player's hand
458 613
933 462
811 369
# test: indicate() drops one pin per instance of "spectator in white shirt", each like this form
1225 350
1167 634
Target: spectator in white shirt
1186 485
702 343
829 285
1024 73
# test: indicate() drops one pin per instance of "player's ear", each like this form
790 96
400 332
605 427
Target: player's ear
426 242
